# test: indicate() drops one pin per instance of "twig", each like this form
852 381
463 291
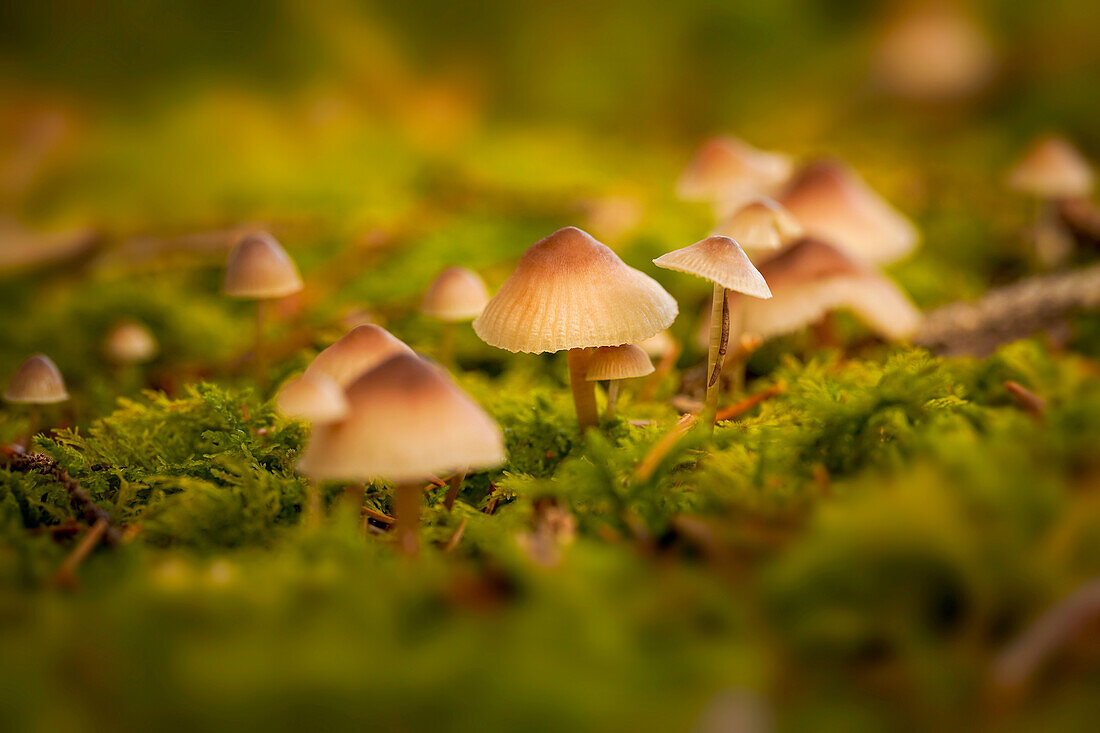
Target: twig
65 576
740 408
456 537
1022 658
1030 402
377 516
80 499
661 448
1011 312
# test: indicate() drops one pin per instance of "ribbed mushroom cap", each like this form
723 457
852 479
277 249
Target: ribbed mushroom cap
759 225
720 260
570 292
37 381
314 397
259 267
658 344
130 342
725 167
933 51
618 362
811 277
360 349
1052 169
832 202
458 294
406 420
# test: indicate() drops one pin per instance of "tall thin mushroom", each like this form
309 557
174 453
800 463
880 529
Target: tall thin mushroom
721 261
571 293
407 420
458 294
260 269
36 382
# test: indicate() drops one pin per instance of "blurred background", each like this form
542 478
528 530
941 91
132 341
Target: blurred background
382 141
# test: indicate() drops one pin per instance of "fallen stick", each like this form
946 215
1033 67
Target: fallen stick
740 408
65 576
1030 402
661 448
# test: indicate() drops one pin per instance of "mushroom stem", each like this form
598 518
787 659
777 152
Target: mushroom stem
612 398
739 357
261 316
406 513
1053 243
584 392
454 485
447 346
34 419
718 325
313 504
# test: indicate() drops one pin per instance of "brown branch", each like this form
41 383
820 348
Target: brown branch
80 499
661 448
1030 402
1010 312
740 408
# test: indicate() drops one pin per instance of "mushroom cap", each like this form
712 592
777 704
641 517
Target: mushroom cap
571 292
831 201
618 362
760 224
1052 168
360 349
658 344
130 342
720 260
726 167
37 381
457 294
259 267
314 397
811 277
933 51
406 421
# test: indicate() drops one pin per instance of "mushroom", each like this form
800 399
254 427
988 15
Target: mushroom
570 293
728 172
811 277
319 400
832 202
760 225
36 382
406 421
614 364
934 52
1052 171
721 261
130 342
457 294
260 269
360 349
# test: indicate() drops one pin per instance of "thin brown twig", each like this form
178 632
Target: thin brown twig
80 499
456 537
1030 402
661 448
65 576
740 408
377 516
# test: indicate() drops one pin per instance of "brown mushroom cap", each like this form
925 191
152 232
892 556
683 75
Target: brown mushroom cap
725 168
832 202
360 349
933 51
314 397
406 421
720 260
759 225
618 362
37 381
458 294
1052 168
569 292
811 277
130 342
259 267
